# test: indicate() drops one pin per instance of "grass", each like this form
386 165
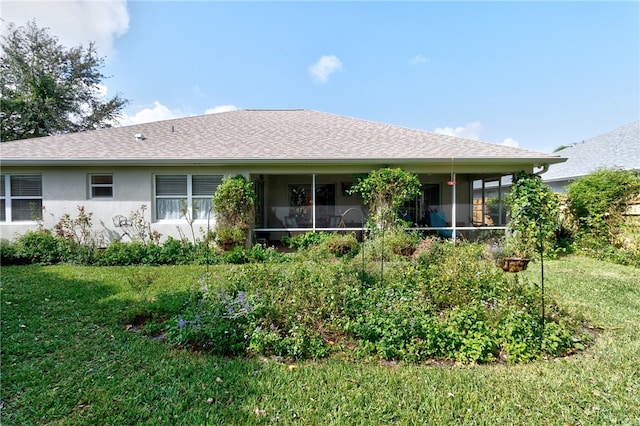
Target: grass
69 357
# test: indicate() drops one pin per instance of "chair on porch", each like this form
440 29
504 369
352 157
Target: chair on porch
437 220
290 222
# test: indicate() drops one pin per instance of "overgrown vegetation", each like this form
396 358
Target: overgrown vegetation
234 206
534 211
75 351
385 190
597 203
447 302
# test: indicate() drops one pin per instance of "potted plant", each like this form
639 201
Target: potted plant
229 237
234 206
509 255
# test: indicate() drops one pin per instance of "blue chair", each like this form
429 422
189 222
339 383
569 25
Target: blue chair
438 220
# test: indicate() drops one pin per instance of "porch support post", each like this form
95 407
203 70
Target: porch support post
500 201
313 204
484 205
453 207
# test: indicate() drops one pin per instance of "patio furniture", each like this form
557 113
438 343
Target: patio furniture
437 220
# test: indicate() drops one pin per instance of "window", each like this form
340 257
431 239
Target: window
20 198
176 195
101 186
489 207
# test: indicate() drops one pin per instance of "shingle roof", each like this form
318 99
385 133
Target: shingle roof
257 136
616 149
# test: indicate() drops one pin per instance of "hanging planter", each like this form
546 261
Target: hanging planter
513 264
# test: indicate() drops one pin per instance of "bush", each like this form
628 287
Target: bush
130 253
305 240
177 252
40 247
534 215
10 253
342 245
449 302
260 308
598 201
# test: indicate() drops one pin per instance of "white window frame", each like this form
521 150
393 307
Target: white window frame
101 185
189 198
8 198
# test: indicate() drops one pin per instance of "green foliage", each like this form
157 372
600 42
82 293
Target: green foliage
178 252
534 214
230 236
340 245
448 303
251 311
48 89
385 190
77 237
402 242
323 245
234 204
69 351
10 253
127 253
599 199
305 240
40 247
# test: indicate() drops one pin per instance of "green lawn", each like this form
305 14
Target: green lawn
69 358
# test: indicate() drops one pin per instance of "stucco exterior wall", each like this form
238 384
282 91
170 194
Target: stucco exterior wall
66 188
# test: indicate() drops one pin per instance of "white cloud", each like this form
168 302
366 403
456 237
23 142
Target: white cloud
419 59
325 66
470 131
160 112
147 115
73 22
221 108
510 142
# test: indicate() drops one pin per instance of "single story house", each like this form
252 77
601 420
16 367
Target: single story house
302 163
616 149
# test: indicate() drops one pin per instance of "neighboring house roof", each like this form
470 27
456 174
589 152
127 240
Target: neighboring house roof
260 136
616 149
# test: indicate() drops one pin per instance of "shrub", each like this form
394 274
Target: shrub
449 302
534 214
40 247
234 204
598 202
177 252
10 253
342 245
402 243
305 240
128 253
229 237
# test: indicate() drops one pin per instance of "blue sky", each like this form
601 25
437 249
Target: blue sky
531 74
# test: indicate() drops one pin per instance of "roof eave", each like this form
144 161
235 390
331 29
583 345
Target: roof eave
537 161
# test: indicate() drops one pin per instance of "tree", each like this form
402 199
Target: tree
534 213
234 205
385 190
48 89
